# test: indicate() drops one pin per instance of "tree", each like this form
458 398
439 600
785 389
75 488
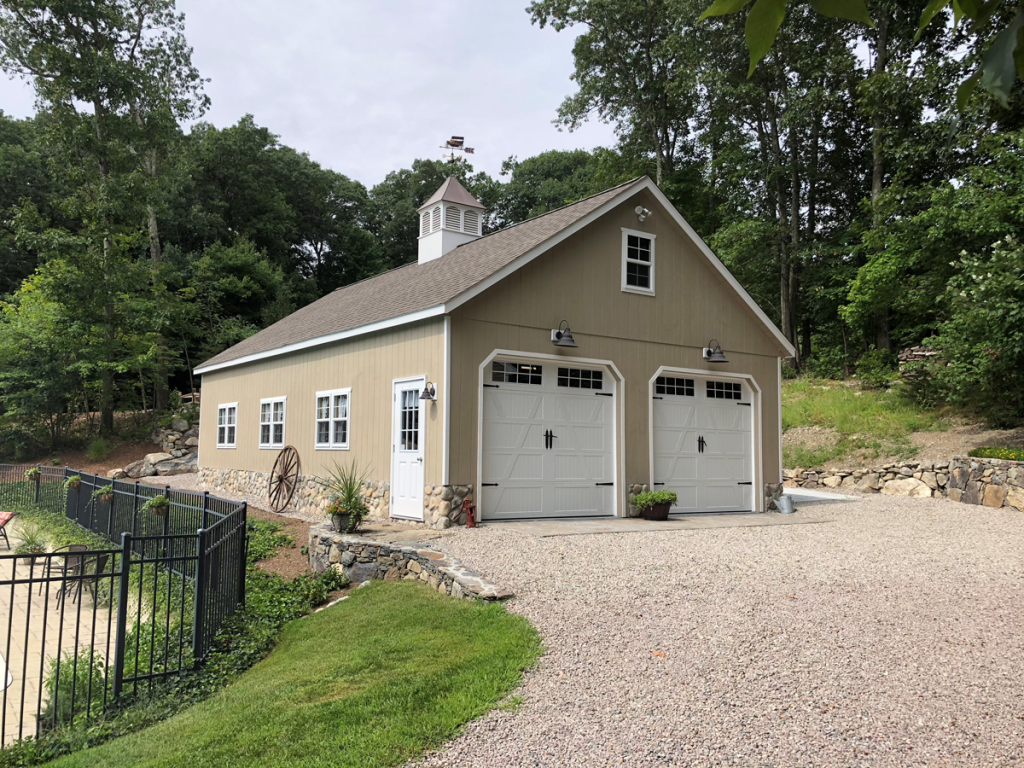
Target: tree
632 68
543 183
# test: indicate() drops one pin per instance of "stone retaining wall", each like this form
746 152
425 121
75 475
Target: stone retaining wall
991 482
362 560
442 504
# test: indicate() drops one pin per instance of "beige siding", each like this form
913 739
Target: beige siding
579 280
367 364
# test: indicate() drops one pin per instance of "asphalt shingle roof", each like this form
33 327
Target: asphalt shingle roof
414 287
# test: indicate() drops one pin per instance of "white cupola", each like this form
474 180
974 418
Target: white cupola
448 219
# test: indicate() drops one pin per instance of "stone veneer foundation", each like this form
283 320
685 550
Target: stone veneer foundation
442 504
362 560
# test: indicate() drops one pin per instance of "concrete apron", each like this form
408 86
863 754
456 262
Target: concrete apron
590 526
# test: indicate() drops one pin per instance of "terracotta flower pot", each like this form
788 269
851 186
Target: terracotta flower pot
657 512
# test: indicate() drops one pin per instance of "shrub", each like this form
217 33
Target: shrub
75 686
345 484
827 363
264 540
98 450
1010 454
877 368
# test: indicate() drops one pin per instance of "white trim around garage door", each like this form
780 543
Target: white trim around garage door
618 449
756 427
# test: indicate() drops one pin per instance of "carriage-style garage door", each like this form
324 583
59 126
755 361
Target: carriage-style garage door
548 441
702 443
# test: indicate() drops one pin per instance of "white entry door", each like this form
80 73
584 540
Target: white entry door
548 441
702 443
407 450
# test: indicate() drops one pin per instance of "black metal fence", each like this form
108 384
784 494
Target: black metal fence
84 626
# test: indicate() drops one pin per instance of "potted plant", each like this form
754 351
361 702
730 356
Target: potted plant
33 474
105 494
158 505
73 483
346 506
654 505
32 542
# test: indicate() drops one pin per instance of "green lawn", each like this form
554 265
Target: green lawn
871 422
373 681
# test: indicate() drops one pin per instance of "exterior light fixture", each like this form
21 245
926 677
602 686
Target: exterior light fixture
429 392
563 337
641 212
713 352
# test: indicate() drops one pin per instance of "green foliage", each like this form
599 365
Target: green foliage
75 687
33 542
264 539
98 449
367 715
158 505
982 342
55 529
345 486
33 474
106 490
877 368
649 499
1007 454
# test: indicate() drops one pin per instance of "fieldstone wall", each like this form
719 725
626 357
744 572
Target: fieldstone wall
635 489
442 504
991 482
362 560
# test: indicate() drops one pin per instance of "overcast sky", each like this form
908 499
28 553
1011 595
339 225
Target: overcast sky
367 87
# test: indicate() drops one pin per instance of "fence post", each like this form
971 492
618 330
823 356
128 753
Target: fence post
135 507
199 603
245 554
206 506
39 481
122 612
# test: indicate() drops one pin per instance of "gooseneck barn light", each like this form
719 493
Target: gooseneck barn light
429 392
713 352
563 337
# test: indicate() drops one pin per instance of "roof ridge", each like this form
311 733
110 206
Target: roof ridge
554 210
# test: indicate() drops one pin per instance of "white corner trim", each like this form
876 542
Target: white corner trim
619 434
362 330
756 423
446 401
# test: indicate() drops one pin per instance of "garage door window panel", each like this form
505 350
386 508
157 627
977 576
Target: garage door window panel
517 373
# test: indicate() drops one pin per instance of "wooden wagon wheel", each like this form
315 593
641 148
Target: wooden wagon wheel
284 479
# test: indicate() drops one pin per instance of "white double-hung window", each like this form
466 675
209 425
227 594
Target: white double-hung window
227 422
272 422
332 413
637 262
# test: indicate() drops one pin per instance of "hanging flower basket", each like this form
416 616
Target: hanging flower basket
104 494
159 506
106 498
74 483
33 474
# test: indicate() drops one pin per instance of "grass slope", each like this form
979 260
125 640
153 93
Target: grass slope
373 681
869 422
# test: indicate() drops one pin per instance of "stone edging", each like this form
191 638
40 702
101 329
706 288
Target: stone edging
988 482
362 560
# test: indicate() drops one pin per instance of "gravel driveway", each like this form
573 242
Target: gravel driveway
891 636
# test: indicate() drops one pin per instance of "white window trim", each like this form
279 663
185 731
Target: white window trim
633 288
221 407
347 391
272 446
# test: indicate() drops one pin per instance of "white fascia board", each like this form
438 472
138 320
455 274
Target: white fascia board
361 330
597 213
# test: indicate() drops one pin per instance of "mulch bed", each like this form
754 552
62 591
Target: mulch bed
287 562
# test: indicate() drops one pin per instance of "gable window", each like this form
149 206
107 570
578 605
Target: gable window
725 390
227 423
332 409
667 385
516 373
579 378
272 422
637 262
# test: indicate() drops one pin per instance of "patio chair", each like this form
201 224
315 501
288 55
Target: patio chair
66 561
92 569
5 518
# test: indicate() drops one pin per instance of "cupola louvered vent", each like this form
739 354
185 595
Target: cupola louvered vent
452 217
435 223
471 222
425 223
